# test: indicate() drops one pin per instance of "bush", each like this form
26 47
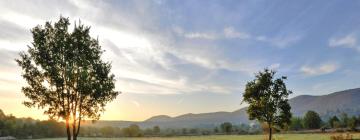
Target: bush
341 137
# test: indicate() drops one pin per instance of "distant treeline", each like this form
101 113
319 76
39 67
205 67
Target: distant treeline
29 128
312 120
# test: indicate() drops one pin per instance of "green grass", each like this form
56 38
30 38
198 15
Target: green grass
230 137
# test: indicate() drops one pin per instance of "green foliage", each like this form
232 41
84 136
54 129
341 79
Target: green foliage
65 73
194 131
226 127
352 123
29 128
184 131
132 131
107 131
23 128
296 124
312 120
334 121
346 122
344 119
216 130
156 130
267 97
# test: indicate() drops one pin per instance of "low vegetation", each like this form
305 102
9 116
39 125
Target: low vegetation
237 137
29 128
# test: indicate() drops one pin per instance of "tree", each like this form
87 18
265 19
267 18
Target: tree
268 100
296 124
156 130
216 130
132 131
344 120
312 120
65 74
184 131
352 123
333 120
226 127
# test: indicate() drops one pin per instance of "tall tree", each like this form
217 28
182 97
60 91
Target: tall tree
352 123
268 100
344 120
65 74
312 120
333 120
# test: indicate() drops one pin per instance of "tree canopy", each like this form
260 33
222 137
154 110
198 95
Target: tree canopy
312 120
226 127
65 74
267 97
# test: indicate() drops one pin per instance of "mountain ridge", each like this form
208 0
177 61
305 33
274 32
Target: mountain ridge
326 105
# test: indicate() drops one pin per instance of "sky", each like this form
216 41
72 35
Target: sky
192 56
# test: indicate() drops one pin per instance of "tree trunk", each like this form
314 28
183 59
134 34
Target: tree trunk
78 126
74 127
68 129
74 130
270 131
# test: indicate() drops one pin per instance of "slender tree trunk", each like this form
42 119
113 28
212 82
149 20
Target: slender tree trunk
74 129
270 131
74 125
78 129
78 126
68 129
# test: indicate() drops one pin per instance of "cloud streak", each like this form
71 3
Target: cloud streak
348 41
279 41
319 70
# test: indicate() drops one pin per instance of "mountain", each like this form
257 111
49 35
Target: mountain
332 104
326 105
202 119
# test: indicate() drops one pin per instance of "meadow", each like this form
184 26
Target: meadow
230 137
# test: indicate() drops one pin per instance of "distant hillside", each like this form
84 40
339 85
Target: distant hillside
202 120
332 104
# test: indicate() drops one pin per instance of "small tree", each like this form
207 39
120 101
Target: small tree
216 130
65 74
296 123
344 120
312 120
352 123
333 120
184 131
156 130
226 127
268 100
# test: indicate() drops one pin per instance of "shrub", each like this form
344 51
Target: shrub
341 137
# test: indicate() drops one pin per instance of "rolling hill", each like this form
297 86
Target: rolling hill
332 104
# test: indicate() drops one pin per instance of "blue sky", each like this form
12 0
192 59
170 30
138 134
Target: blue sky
186 56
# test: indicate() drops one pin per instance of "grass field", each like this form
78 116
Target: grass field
232 137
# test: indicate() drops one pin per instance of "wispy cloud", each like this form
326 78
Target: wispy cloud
197 35
274 66
135 103
230 32
280 41
319 70
348 41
